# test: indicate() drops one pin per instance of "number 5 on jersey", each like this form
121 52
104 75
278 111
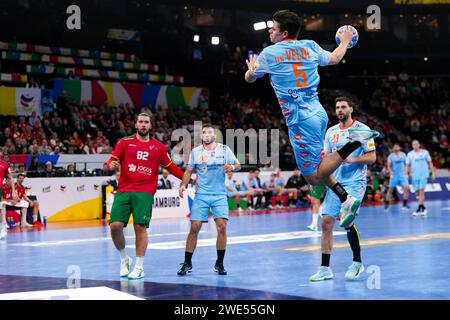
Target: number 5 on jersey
141 155
303 81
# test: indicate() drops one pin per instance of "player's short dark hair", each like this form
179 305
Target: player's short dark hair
289 21
207 125
21 175
143 114
349 101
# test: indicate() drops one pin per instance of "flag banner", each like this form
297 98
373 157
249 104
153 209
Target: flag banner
20 101
133 94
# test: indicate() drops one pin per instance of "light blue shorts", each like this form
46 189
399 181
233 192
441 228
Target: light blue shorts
205 204
397 181
307 138
418 184
331 205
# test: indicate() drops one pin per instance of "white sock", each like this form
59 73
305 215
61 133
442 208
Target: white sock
35 217
3 214
315 217
123 254
24 215
139 262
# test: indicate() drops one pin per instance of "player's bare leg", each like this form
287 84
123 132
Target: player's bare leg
3 224
141 246
405 197
191 244
23 220
327 166
238 201
117 235
326 243
315 207
421 210
35 206
388 198
118 239
221 225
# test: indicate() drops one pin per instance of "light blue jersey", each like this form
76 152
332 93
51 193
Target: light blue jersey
352 176
397 163
419 164
292 67
253 183
335 139
230 183
280 182
209 165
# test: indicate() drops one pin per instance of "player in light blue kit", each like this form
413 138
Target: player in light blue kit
396 163
211 161
292 67
353 176
418 168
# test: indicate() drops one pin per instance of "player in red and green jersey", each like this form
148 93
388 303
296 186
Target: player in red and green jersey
138 157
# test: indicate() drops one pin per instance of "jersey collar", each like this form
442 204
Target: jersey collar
353 122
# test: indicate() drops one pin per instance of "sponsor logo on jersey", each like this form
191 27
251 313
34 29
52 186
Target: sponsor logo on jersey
297 136
144 170
151 147
307 164
132 167
132 145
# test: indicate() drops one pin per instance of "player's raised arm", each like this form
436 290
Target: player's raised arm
251 65
339 52
257 67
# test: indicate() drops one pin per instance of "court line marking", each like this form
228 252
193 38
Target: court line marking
87 240
240 239
168 245
376 242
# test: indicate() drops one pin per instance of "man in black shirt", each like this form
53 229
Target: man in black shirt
297 188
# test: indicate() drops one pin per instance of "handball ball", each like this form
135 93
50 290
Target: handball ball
354 39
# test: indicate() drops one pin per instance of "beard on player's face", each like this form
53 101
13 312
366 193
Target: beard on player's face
343 117
143 132
208 139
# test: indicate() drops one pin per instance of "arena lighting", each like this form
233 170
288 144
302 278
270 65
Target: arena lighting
259 25
196 38
269 24
425 59
215 40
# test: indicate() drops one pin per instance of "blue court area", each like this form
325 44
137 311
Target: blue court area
269 256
